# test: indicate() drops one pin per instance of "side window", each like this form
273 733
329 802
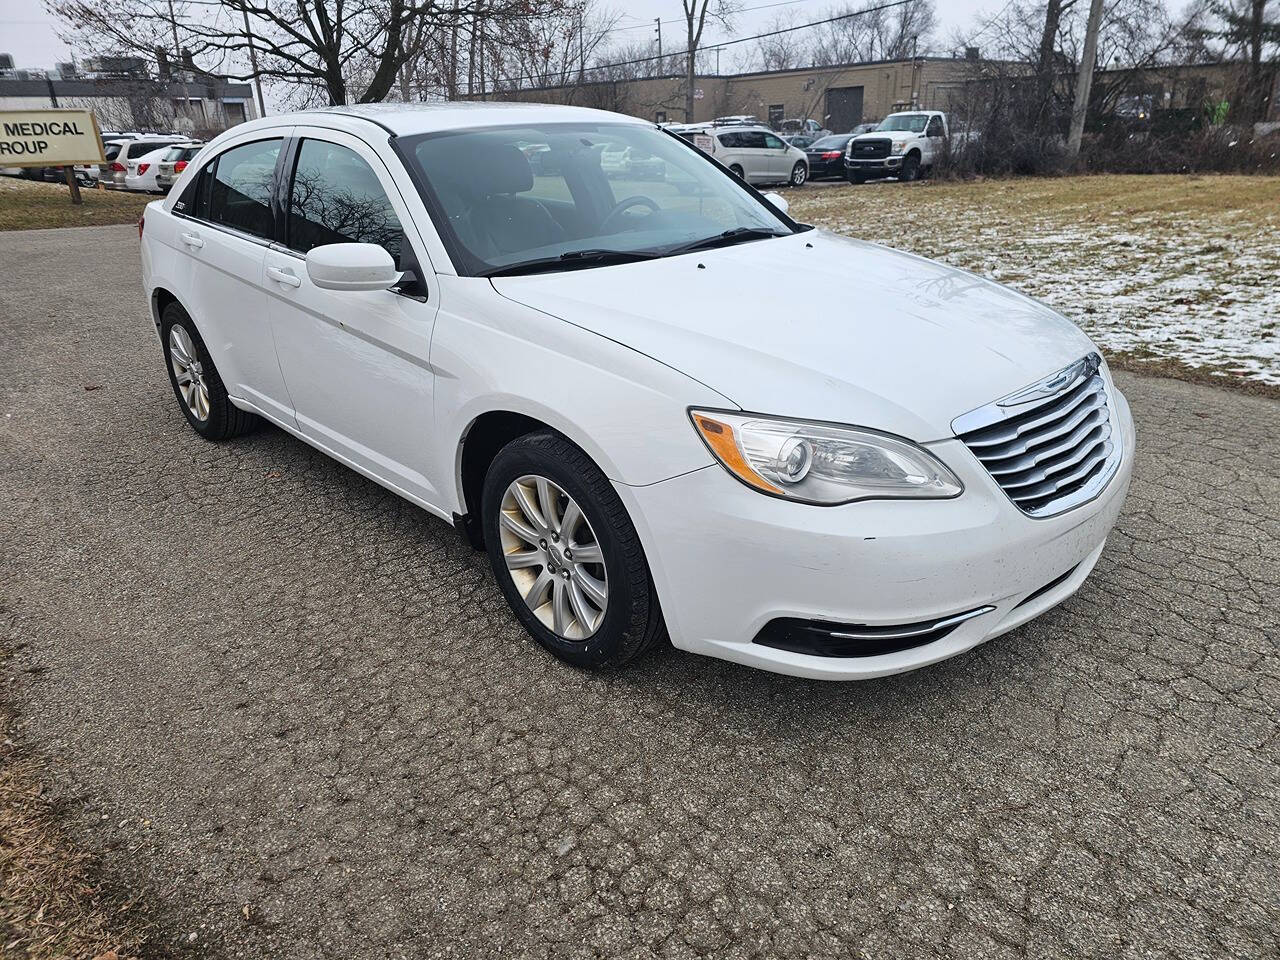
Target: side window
194 201
730 140
752 139
239 193
772 142
335 197
935 127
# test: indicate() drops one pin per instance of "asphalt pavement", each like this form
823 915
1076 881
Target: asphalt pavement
294 711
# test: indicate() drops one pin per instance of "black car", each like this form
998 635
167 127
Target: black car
826 156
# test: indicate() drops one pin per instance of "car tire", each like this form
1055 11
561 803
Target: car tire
799 174
910 168
553 476
857 177
737 171
196 384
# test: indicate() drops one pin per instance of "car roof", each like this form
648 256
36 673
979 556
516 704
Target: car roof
403 119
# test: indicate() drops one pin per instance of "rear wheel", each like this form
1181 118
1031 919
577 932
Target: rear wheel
195 380
736 171
566 555
799 174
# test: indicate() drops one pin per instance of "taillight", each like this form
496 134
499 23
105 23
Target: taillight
140 222
831 155
142 168
116 167
180 166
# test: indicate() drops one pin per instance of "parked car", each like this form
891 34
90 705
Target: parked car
904 145
173 162
800 140
826 157
620 160
755 154
112 172
141 172
806 126
614 394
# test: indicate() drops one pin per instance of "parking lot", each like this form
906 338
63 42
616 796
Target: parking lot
294 713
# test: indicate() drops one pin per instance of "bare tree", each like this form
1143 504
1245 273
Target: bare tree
315 47
695 17
875 34
1247 30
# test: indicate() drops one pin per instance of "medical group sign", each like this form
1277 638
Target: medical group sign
48 138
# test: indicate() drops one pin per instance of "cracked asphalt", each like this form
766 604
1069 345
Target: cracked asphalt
294 711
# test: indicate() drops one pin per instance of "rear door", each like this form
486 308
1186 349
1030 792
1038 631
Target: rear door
356 363
227 222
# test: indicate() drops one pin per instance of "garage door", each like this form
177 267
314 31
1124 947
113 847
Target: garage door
844 108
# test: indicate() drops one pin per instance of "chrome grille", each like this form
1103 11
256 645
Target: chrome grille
1049 446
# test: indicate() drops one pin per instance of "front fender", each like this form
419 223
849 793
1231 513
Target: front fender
627 411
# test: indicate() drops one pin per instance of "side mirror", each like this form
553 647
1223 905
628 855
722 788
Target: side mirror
351 266
778 202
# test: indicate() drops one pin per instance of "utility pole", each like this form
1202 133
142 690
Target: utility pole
915 72
658 28
253 62
1084 82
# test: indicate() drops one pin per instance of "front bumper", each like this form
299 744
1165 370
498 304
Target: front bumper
885 165
727 561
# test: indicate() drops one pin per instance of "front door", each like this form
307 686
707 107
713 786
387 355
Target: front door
356 363
779 157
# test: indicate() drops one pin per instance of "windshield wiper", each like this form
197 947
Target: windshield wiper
736 235
570 261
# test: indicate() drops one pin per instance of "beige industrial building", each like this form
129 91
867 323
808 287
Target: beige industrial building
840 97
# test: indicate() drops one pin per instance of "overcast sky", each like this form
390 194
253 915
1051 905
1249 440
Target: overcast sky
28 33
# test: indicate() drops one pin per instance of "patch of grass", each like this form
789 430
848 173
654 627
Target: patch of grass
51 906
32 205
1179 271
1174 369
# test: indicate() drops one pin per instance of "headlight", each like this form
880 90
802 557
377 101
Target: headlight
822 463
899 147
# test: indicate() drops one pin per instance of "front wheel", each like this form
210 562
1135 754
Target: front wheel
857 177
910 168
736 171
566 555
799 174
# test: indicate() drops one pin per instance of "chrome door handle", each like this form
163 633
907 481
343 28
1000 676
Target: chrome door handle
191 240
284 276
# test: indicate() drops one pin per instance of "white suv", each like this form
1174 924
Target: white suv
606 383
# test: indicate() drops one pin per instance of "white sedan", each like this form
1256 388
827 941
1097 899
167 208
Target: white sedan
140 173
616 398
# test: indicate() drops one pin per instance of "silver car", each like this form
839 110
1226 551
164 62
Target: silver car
758 155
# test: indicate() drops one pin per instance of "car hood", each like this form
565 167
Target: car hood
820 327
897 136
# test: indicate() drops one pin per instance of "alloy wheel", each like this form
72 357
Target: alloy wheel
553 557
798 175
188 372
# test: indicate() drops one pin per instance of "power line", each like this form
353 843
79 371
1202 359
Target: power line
727 43
763 6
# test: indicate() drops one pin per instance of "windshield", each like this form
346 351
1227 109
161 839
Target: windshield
506 196
913 122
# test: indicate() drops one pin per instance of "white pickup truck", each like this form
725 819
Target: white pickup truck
904 145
